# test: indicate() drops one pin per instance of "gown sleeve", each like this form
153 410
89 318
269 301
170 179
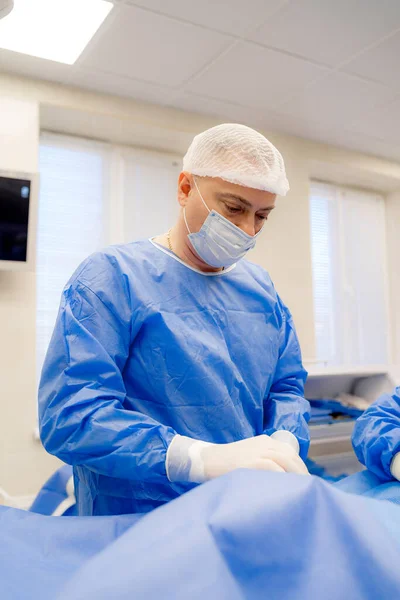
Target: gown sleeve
82 416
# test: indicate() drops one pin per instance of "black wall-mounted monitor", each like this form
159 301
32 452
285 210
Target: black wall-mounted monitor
17 220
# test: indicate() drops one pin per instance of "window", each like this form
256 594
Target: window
91 195
71 221
349 276
149 185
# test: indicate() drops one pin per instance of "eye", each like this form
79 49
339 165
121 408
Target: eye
233 210
262 217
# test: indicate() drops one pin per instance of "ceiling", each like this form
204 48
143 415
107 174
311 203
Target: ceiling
326 70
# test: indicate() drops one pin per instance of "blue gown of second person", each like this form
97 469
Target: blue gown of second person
376 435
145 347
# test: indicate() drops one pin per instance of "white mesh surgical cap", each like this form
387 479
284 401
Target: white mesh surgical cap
237 154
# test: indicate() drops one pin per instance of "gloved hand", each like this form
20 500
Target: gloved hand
395 466
197 462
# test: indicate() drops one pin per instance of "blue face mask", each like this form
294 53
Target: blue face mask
219 242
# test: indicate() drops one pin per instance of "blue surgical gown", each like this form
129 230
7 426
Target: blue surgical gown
144 348
376 434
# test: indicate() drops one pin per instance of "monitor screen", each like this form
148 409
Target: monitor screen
14 218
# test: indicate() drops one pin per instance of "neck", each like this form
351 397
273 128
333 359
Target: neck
182 247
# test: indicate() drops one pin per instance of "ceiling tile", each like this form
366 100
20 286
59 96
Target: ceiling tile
335 136
365 143
226 111
380 63
329 31
154 48
230 16
383 124
263 120
256 77
295 126
337 100
125 87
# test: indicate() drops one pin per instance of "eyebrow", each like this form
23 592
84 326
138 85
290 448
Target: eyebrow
228 196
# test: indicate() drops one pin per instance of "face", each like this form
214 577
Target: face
246 208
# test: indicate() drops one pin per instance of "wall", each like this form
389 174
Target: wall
22 461
284 249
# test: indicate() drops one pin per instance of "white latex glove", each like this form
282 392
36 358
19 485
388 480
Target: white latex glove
395 466
197 462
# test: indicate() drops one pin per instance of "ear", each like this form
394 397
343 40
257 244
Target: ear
184 188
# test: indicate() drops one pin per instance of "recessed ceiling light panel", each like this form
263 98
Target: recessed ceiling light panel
57 30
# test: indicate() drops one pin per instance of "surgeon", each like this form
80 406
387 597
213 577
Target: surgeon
376 437
173 360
